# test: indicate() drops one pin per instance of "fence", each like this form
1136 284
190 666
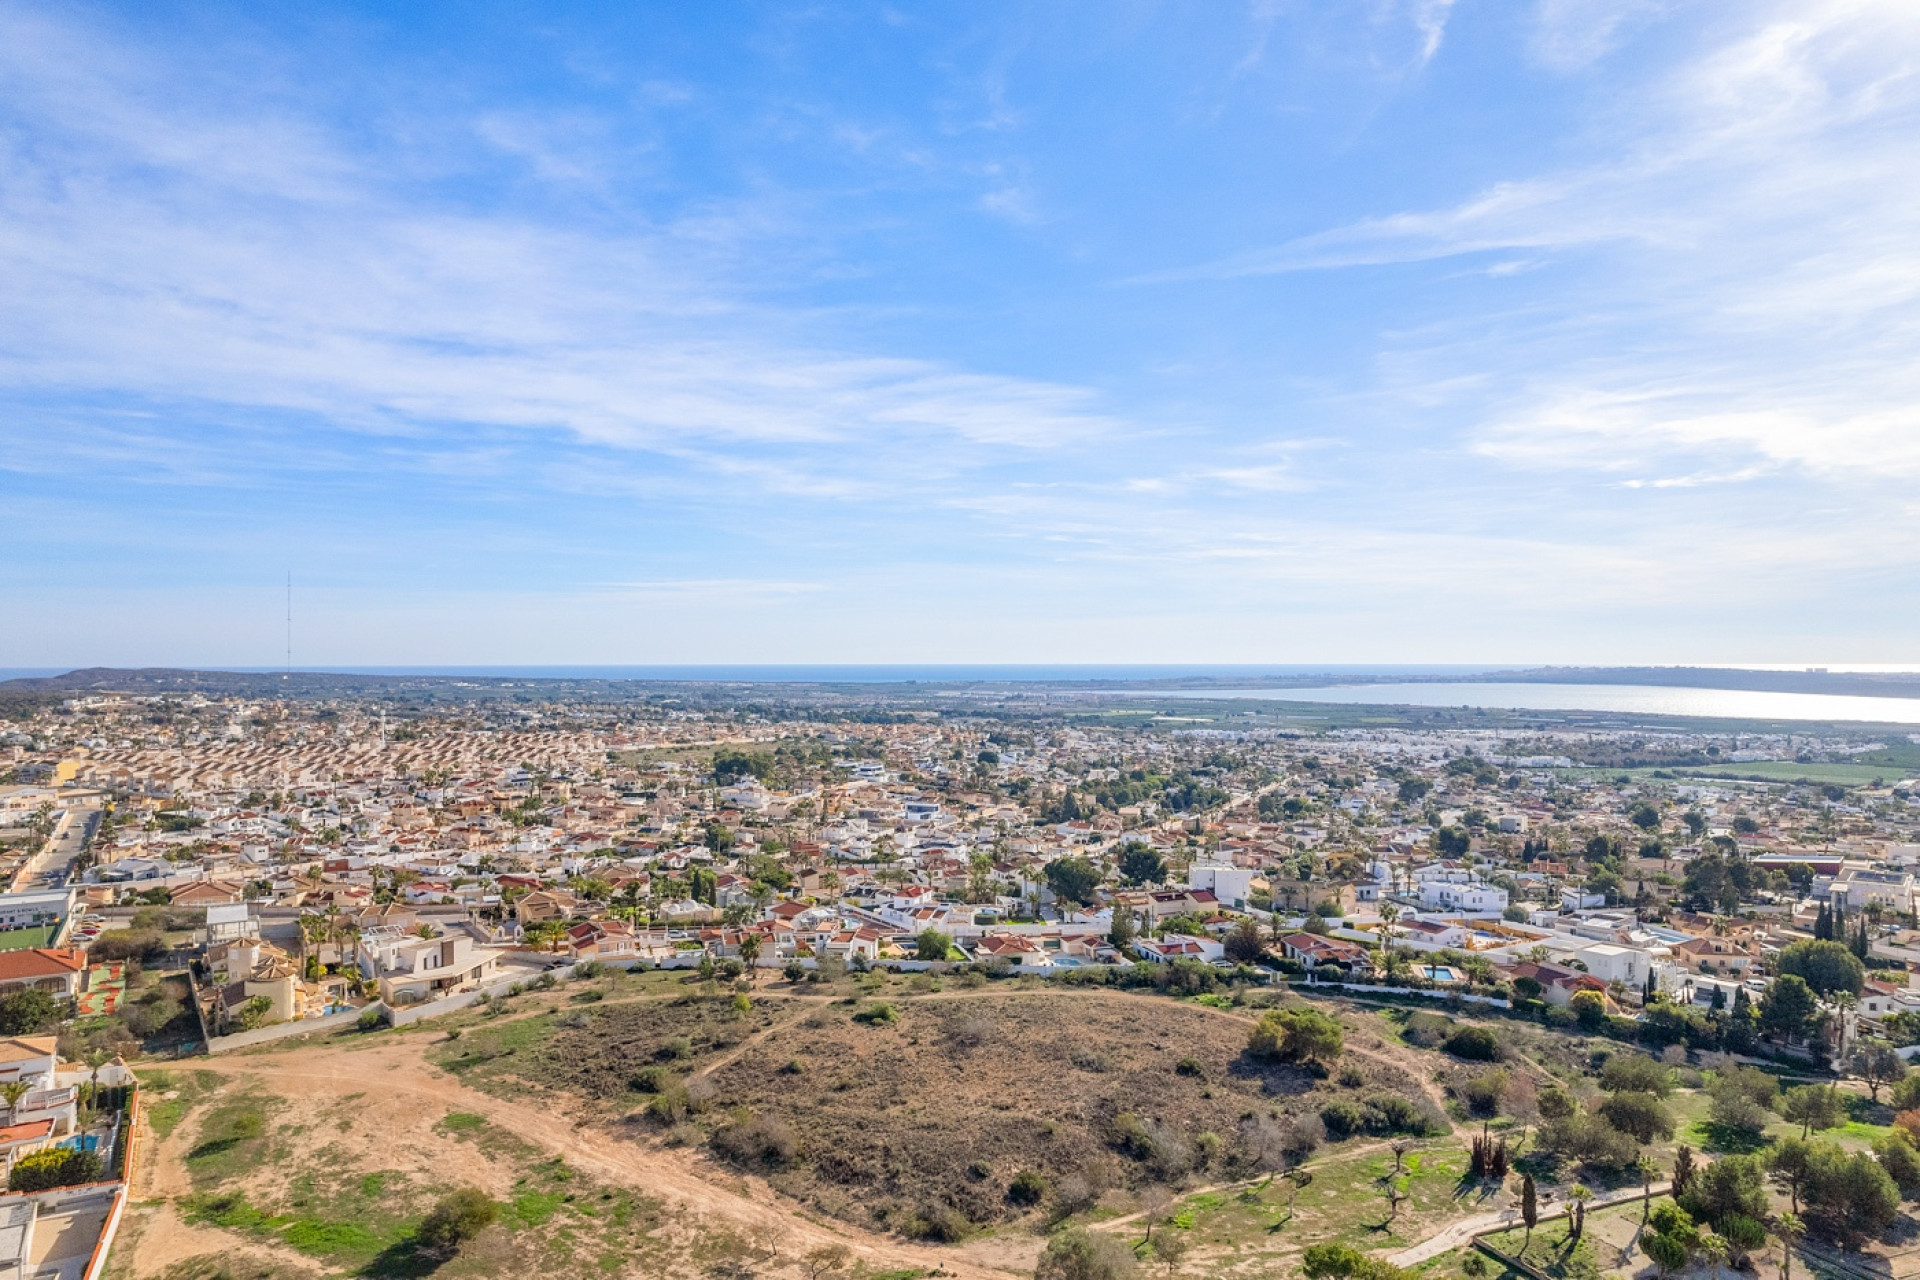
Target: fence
1434 993
282 1030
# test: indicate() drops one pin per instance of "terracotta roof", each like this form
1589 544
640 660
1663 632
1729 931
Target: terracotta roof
27 1132
41 962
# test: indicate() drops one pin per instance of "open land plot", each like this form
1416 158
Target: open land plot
878 1112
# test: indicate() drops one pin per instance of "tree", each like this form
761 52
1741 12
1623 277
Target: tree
827 1259
1245 945
1787 1165
1641 1114
1296 1035
24 1012
750 954
1139 864
1577 1197
1171 1248
1636 1073
932 945
457 1218
1529 1209
1344 1262
1644 816
1736 1112
1121 934
1786 1007
1714 1249
1669 1238
1826 967
1789 1228
1812 1107
1682 1170
14 1091
1849 1198
1902 1163
1591 1008
1878 1064
1075 1254
1732 1186
1073 880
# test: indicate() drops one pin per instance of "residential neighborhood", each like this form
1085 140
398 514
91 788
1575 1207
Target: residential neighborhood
263 873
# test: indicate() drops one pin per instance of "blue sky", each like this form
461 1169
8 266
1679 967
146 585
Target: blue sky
1370 331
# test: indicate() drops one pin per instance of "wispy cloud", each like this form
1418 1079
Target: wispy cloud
154 246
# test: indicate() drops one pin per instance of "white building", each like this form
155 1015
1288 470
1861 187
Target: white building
1610 962
1470 896
1230 885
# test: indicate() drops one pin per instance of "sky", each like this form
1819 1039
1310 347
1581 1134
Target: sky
1351 331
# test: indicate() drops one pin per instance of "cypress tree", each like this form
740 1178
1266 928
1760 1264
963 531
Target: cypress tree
1823 924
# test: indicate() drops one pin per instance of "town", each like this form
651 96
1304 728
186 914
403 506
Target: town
1591 968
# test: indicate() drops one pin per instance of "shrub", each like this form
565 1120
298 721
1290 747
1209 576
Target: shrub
941 1223
1425 1030
670 1103
677 1049
457 1218
762 1140
1640 1114
652 1080
127 944
1590 1140
1636 1073
1028 1187
1277 1142
1483 1093
1190 1067
1477 1044
53 1167
1344 1262
1077 1255
1382 1115
1296 1035
878 1015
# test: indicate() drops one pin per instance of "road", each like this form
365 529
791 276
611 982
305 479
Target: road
53 866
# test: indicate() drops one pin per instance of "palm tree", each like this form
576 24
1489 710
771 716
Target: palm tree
1714 1249
13 1091
749 953
1789 1228
1577 1199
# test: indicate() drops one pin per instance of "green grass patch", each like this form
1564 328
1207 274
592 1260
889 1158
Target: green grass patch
461 1122
21 939
331 1239
230 1211
1551 1251
232 1141
535 1208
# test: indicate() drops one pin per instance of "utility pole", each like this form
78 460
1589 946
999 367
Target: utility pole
289 671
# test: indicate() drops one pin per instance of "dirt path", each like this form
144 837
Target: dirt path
755 1210
1455 1234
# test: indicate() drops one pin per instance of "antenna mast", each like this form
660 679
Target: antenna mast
289 673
